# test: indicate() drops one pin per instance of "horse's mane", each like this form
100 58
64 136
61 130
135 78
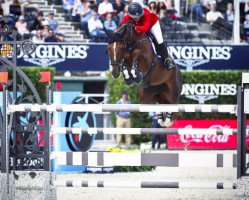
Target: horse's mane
119 34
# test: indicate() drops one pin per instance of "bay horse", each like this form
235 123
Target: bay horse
133 54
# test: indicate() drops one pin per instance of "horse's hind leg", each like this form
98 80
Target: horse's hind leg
167 97
165 119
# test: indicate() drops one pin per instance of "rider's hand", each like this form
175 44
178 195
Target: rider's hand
137 30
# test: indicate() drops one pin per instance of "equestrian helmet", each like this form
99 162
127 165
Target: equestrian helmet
135 10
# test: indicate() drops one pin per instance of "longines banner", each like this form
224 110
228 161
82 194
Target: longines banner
93 57
68 57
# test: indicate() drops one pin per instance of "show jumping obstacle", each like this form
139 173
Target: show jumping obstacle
144 131
146 184
181 159
31 163
137 159
203 108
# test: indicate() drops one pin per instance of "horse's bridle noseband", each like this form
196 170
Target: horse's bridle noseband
120 62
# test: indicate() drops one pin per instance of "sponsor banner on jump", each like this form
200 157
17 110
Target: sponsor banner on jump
67 57
93 57
197 141
203 92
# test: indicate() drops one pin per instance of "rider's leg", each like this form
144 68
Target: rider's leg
162 48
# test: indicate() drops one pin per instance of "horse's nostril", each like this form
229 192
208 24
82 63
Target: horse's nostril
116 75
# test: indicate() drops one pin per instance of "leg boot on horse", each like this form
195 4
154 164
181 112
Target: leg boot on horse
165 119
163 52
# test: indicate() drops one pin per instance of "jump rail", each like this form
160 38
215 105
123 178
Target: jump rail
146 184
179 159
141 131
205 108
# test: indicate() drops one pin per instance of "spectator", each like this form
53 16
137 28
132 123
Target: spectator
123 119
94 4
168 4
53 23
246 28
38 38
109 23
229 15
246 22
152 6
51 37
22 26
95 28
28 4
246 9
37 24
77 9
56 2
141 2
46 29
104 8
197 10
161 9
15 8
156 138
119 10
5 4
85 15
206 4
68 7
213 14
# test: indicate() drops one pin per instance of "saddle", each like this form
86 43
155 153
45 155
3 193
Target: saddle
154 43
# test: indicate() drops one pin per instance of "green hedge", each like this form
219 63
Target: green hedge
204 77
34 75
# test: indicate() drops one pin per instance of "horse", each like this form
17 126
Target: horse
133 54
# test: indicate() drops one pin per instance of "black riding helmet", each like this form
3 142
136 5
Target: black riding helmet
135 10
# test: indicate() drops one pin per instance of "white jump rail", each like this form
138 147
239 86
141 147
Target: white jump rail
146 184
204 108
141 131
174 159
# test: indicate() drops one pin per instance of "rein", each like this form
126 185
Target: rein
129 47
146 79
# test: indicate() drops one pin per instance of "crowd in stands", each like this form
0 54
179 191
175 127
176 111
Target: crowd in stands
93 15
218 13
30 23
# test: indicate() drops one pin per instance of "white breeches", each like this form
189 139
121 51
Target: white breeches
157 32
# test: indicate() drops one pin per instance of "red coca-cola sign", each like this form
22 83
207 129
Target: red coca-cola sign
197 141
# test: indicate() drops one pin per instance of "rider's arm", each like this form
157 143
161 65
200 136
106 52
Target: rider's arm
145 27
125 19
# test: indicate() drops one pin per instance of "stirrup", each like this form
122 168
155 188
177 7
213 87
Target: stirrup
169 63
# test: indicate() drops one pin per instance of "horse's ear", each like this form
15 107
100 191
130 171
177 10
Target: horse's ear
122 33
109 33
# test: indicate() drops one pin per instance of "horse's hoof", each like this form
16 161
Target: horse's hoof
139 78
161 122
128 81
168 122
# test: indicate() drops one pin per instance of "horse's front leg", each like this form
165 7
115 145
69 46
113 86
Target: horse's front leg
137 75
128 80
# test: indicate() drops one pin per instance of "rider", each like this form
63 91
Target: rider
145 21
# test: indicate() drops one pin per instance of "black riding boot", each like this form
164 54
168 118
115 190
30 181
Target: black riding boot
163 52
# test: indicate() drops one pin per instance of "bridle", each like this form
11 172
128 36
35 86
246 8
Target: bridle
128 47
132 45
120 62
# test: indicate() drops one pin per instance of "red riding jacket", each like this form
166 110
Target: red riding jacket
145 23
